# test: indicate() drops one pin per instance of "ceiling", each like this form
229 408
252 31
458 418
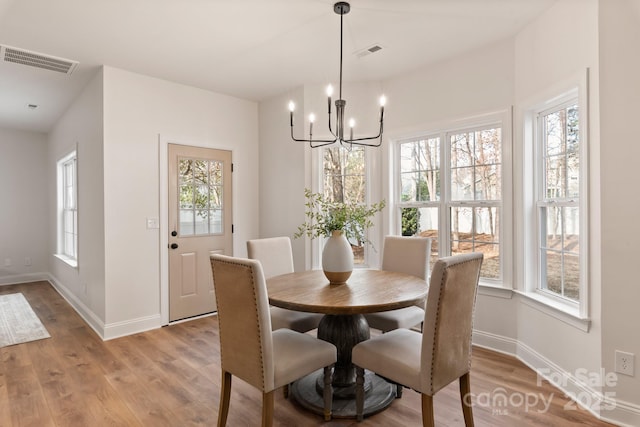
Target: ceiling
251 49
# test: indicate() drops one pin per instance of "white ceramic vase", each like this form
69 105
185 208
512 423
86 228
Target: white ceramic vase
337 258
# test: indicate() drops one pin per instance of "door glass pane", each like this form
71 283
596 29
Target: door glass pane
186 225
216 196
201 197
186 197
200 203
215 221
201 222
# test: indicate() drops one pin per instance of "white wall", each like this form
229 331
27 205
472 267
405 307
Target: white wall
25 211
477 83
81 127
472 84
558 46
620 92
137 110
282 174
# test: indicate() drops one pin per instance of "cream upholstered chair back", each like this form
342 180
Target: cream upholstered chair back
246 346
448 320
276 257
409 255
274 253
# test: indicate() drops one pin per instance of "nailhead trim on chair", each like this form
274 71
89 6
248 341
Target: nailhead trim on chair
433 350
255 299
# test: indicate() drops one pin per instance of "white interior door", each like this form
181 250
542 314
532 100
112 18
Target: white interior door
200 224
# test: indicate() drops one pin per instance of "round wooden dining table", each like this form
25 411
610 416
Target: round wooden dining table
343 324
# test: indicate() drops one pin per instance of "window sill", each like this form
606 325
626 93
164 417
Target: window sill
69 261
495 291
553 308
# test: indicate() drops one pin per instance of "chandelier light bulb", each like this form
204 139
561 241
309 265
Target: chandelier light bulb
337 130
329 91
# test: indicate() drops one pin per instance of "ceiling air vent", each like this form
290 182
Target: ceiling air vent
368 51
38 60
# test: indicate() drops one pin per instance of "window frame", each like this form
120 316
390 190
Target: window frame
501 119
575 94
63 207
373 193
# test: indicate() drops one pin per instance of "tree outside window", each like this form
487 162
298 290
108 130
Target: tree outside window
455 199
344 180
559 201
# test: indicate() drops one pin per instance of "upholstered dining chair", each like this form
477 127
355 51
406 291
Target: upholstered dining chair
276 257
409 255
428 361
250 350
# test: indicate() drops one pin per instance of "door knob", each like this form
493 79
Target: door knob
174 246
174 233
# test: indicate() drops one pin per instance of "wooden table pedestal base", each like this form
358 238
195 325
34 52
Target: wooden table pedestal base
344 331
378 395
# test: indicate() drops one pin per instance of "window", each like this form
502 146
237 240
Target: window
68 209
553 165
344 180
420 182
558 199
200 183
451 190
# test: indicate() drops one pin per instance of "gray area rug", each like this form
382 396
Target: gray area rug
18 322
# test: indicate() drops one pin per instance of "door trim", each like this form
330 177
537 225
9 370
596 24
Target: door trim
163 200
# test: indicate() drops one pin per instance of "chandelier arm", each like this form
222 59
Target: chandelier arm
341 8
311 141
363 144
324 142
357 141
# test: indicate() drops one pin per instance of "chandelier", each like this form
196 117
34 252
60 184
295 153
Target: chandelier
341 8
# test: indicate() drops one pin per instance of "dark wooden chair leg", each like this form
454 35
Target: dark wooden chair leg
285 391
225 397
465 397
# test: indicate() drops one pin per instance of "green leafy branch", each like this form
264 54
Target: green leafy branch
324 216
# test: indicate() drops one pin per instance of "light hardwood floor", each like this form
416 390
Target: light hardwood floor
171 377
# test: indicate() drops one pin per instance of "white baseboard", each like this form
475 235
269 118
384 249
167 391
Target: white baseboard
624 414
132 326
606 408
23 278
106 331
495 342
85 312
